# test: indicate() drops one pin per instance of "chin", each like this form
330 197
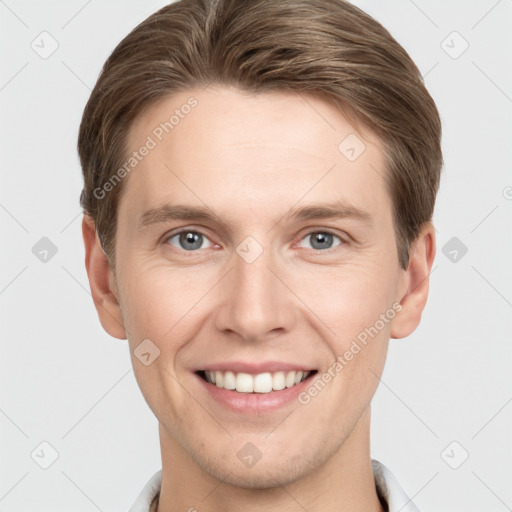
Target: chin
271 471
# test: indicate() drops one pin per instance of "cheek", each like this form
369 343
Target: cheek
356 304
158 300
350 298
160 304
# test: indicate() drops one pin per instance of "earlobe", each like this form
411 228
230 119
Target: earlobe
415 281
102 282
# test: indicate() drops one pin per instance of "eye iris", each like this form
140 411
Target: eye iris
321 238
189 237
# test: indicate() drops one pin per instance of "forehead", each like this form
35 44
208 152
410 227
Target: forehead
232 149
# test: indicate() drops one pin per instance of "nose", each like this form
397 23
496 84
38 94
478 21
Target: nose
256 302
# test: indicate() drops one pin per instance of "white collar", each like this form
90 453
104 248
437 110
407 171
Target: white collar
385 481
387 484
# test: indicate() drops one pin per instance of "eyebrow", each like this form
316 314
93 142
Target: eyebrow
169 212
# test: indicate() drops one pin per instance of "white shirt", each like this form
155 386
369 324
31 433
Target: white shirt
385 482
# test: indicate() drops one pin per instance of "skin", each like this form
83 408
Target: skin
251 159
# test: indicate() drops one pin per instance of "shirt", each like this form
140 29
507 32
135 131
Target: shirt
391 494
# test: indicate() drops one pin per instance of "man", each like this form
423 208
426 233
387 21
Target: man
259 182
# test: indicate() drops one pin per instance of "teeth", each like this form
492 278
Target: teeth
263 383
260 383
278 381
244 383
229 380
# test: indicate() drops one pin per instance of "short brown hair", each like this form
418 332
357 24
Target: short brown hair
327 48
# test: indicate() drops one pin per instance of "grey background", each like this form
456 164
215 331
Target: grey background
65 382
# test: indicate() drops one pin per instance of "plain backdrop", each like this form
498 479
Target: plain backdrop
442 415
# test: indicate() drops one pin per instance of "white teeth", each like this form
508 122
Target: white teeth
263 383
278 381
244 383
229 380
260 383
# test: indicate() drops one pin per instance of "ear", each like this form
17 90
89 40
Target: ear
414 283
102 282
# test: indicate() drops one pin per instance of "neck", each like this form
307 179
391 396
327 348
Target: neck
343 483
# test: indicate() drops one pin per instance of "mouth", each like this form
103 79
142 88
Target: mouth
261 383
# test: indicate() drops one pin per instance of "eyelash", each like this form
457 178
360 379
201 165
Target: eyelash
312 232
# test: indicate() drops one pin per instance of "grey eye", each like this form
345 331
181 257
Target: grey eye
188 240
321 240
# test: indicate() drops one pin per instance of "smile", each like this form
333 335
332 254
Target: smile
259 383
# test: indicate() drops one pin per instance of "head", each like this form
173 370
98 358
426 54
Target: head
243 126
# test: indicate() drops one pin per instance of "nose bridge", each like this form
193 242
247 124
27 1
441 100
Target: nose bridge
255 302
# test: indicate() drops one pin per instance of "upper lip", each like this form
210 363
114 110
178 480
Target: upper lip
254 368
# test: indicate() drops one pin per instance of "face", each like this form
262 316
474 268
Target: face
255 250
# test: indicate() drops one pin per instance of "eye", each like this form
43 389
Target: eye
188 240
321 240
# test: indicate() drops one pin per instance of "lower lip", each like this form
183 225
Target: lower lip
254 403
